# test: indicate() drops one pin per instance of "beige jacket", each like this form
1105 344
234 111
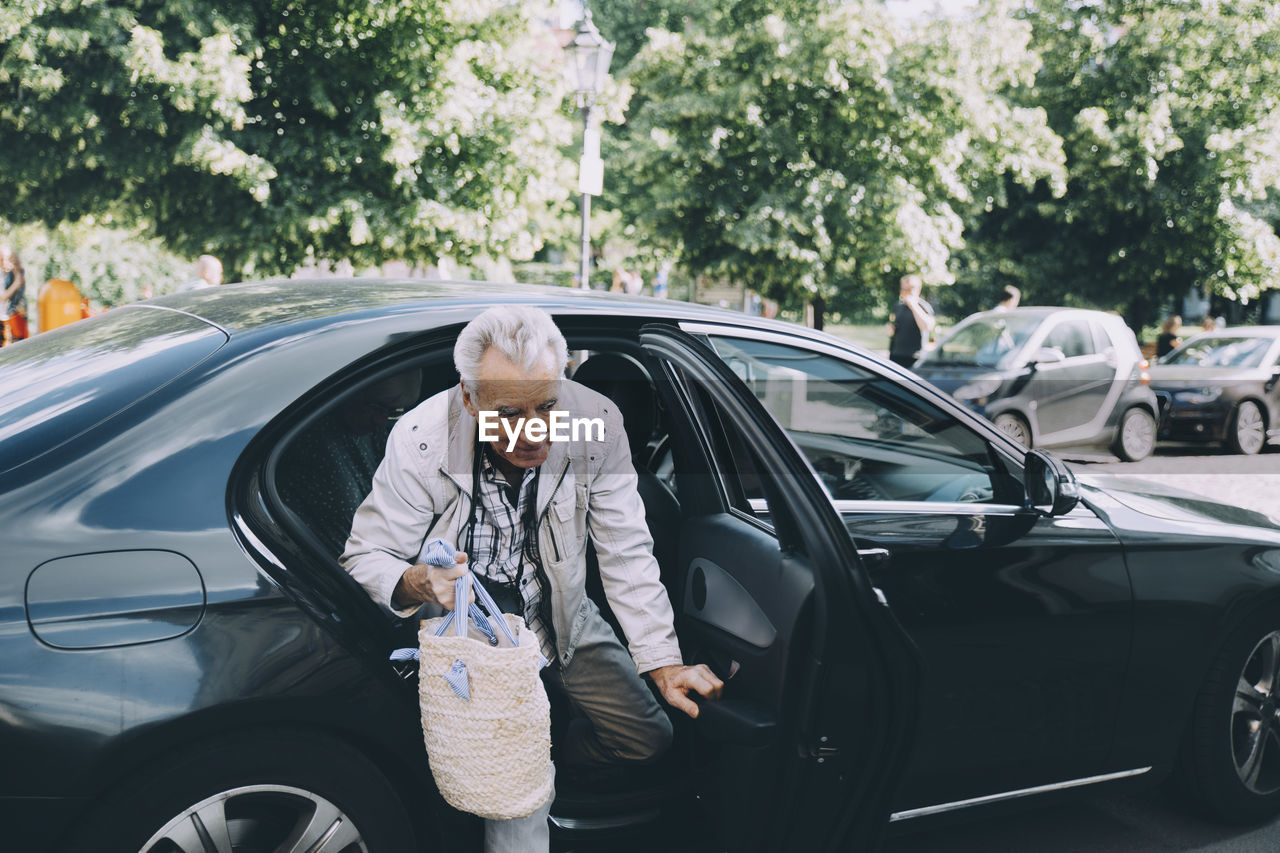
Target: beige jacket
422 491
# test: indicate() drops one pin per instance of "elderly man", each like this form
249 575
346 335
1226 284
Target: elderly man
521 509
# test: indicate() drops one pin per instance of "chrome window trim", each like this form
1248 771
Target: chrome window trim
852 507
1013 795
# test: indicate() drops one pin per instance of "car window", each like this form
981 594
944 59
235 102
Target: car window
324 468
867 436
1072 337
1221 351
990 341
1101 340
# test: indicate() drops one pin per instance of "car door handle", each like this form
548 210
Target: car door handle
874 558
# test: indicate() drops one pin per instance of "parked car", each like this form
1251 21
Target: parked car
1222 387
913 613
1051 378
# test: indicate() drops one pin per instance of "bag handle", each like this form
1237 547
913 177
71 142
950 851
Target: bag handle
438 552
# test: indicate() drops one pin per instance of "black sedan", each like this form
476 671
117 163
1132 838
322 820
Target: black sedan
913 615
1222 387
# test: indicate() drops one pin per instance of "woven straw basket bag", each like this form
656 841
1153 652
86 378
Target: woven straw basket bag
485 715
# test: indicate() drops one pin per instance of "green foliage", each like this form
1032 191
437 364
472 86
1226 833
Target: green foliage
1170 116
109 266
270 132
803 148
624 22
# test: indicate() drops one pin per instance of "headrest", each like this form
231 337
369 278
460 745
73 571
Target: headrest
624 380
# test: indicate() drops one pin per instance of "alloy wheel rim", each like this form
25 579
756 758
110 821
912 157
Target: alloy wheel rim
255 818
1249 430
1255 718
1139 435
1013 428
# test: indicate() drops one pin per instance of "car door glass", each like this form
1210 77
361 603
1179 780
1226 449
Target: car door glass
324 469
1101 341
1072 337
868 437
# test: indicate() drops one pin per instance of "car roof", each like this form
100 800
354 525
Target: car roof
1242 332
1042 311
270 305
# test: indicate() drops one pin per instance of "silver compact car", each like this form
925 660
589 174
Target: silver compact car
1051 378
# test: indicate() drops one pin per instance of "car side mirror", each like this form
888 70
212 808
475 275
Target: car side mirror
1046 355
1051 487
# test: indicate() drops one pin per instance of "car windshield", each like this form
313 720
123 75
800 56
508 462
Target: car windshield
1220 351
988 341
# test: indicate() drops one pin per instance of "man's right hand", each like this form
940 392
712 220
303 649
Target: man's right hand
422 583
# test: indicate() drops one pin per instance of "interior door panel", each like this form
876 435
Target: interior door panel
743 603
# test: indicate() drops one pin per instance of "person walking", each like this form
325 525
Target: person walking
1169 340
13 297
1010 296
912 322
208 274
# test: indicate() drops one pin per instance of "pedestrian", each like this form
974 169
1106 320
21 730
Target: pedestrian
660 284
442 477
208 274
912 322
1009 298
1208 324
1169 338
13 297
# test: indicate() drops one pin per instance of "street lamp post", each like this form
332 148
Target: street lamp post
587 59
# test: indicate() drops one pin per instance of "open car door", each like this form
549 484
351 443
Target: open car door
808 744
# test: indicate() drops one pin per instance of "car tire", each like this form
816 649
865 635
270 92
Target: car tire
1135 436
1238 709
253 791
1247 432
1014 426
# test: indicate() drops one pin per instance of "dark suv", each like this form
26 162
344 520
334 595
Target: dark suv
1051 377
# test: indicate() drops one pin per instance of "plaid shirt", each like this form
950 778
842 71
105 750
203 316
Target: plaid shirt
498 544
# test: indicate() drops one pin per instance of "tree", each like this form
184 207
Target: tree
1170 116
270 132
109 266
821 148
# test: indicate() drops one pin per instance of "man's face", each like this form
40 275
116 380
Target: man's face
514 392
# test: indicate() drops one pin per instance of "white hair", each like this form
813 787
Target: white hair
523 334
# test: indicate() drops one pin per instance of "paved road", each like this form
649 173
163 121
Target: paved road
1152 821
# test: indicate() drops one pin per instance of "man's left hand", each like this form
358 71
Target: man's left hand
677 680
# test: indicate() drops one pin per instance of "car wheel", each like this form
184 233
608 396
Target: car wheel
1231 762
1136 435
1014 426
265 792
1248 432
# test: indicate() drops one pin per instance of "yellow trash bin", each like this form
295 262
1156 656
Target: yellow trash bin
59 303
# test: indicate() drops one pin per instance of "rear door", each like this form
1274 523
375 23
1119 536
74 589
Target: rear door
1023 622
806 747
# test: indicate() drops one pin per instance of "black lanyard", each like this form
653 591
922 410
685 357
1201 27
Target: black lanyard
476 467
